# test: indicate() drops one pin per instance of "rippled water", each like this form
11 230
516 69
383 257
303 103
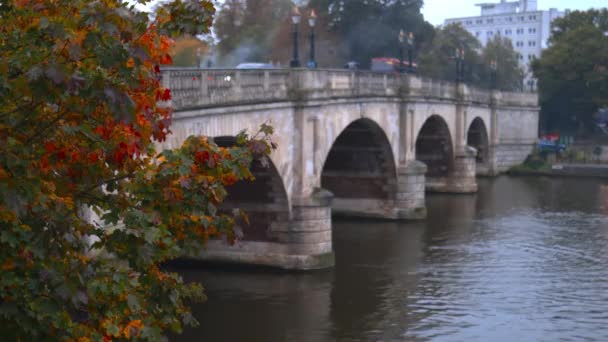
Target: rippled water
525 259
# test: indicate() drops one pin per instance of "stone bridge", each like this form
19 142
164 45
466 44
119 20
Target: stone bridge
349 142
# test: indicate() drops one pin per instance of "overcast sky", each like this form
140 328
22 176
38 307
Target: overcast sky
436 11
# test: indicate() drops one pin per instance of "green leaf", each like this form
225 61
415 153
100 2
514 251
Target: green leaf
133 303
112 330
43 23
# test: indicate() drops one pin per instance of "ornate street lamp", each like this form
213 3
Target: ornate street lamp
295 19
312 20
401 40
459 64
410 52
493 73
462 65
199 58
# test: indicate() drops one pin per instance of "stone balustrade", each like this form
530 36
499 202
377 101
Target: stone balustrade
203 88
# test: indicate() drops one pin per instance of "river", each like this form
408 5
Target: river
524 259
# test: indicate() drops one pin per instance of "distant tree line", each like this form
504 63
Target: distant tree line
357 30
573 72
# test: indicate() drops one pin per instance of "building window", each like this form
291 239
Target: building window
520 31
490 33
531 43
508 32
519 44
469 22
532 17
489 21
531 57
477 34
521 18
509 19
531 30
479 21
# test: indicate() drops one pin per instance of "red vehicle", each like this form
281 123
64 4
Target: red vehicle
388 64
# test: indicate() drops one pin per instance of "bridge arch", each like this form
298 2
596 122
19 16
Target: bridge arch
435 148
360 170
264 200
477 137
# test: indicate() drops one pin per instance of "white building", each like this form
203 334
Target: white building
521 21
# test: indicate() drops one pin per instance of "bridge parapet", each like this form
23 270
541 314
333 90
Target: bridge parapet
429 88
192 87
200 88
516 99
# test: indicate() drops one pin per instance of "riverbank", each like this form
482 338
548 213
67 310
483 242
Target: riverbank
563 170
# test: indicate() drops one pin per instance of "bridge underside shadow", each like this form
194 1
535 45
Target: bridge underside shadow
449 170
361 174
263 199
477 137
278 234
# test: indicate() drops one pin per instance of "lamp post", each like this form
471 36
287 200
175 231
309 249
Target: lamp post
462 65
410 52
295 19
459 64
311 22
493 73
199 58
401 40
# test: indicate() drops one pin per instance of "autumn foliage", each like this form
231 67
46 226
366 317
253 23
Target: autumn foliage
81 111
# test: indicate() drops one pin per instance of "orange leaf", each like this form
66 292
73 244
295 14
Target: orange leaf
133 327
3 174
8 265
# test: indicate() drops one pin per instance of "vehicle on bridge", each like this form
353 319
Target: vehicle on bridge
388 64
255 66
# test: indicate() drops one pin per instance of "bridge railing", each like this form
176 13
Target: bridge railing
323 83
204 87
517 99
192 87
426 87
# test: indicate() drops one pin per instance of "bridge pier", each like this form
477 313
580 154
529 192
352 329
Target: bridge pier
308 235
462 178
488 167
410 191
304 242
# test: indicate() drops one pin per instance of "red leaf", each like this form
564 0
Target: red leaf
166 59
50 147
201 157
166 95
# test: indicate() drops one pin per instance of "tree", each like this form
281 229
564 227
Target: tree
188 51
509 75
573 72
437 58
370 28
330 49
246 29
81 108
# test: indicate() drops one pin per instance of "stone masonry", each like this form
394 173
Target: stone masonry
354 132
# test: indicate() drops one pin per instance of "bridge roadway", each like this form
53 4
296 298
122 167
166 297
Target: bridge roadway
354 143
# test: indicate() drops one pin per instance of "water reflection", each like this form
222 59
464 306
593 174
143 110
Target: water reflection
525 259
